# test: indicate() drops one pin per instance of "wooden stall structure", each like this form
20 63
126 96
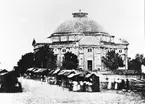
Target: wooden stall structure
9 82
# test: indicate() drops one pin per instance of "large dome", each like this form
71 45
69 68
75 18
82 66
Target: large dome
79 24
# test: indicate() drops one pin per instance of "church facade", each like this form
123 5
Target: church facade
85 38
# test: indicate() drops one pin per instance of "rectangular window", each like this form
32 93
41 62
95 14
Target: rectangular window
63 50
55 39
63 38
120 51
71 38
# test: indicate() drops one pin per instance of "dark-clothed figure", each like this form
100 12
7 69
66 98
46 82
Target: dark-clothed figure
81 85
84 87
70 86
122 85
127 84
113 84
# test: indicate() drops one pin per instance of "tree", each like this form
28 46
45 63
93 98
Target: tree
112 60
135 64
70 61
143 62
129 63
25 62
139 57
45 58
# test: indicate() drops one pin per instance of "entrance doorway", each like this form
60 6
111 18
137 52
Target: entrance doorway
90 65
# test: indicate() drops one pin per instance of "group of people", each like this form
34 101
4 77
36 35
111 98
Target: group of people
82 86
118 84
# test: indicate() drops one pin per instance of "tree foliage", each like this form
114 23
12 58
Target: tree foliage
70 61
45 58
135 64
25 62
112 60
139 57
143 61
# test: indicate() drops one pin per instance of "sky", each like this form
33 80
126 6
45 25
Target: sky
23 20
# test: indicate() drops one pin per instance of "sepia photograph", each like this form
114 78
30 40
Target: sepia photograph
72 52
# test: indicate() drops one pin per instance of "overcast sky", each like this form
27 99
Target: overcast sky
23 20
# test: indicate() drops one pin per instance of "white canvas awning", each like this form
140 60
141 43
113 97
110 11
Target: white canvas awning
30 69
72 75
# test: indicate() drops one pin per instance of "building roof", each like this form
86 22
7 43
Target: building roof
121 41
42 41
78 24
89 40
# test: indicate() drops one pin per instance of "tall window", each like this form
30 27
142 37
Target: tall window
89 50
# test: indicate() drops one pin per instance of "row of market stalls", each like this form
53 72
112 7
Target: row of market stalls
37 70
72 79
36 73
84 81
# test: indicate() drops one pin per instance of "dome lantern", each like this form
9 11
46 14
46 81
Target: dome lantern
79 14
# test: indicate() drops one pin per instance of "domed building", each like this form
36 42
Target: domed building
87 39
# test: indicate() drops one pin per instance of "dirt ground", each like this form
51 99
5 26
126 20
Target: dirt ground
36 92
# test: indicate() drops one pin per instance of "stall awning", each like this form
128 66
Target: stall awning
90 74
40 70
61 72
34 69
73 74
66 72
56 71
3 73
30 69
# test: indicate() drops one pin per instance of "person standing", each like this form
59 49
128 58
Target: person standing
122 86
84 86
81 85
75 85
109 84
78 87
113 84
127 84
117 85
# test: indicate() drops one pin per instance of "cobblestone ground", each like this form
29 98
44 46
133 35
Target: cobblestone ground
36 92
